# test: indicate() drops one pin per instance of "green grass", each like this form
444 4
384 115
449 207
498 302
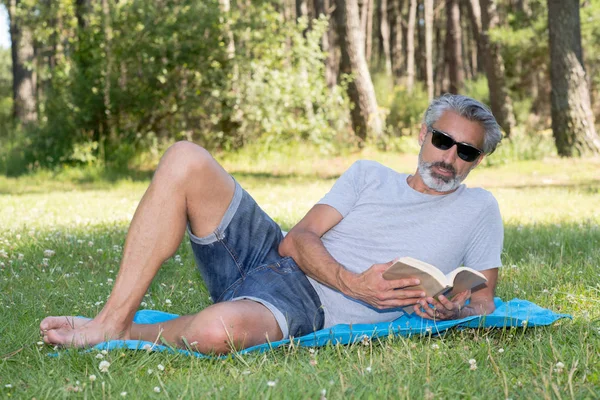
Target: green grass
551 256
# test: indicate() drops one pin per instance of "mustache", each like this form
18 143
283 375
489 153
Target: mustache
442 164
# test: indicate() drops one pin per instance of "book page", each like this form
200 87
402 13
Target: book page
464 278
433 281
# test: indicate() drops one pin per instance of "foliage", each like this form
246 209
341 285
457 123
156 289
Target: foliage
121 83
406 110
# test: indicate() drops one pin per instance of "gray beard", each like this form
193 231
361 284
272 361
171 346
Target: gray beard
437 182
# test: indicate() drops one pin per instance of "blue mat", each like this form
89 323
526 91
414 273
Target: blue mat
516 312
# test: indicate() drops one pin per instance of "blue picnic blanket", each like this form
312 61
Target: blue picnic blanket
513 313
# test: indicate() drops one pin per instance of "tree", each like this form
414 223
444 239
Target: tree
385 36
572 118
500 101
453 52
328 41
24 82
429 47
396 38
410 46
365 114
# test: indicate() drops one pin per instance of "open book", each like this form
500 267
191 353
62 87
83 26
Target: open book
433 281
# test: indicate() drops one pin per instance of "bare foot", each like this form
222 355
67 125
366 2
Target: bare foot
78 331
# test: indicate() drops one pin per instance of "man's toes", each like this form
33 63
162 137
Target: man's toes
52 323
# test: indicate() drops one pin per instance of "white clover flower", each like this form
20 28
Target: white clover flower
147 347
368 369
150 371
40 343
168 302
472 361
156 389
103 366
558 367
524 322
271 383
18 237
123 394
92 378
160 367
428 329
45 262
473 367
20 256
500 350
49 253
105 352
90 243
435 346
365 340
99 356
8 385
99 251
3 253
109 280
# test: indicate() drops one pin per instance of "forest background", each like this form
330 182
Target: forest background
111 84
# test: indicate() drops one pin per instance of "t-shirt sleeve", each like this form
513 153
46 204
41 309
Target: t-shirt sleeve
485 248
345 191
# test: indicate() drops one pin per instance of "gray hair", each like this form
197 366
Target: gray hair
470 109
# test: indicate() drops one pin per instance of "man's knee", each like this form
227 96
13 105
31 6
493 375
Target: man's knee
185 159
212 337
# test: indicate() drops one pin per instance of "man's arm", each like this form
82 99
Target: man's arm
303 243
482 302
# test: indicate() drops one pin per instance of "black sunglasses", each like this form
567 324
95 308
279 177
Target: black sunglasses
443 141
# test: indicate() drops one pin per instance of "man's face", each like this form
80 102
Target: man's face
444 170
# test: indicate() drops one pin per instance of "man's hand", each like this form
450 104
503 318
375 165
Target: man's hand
442 308
371 288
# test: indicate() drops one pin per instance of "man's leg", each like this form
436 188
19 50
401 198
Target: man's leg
217 329
188 184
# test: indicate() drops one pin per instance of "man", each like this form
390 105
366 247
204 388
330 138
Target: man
329 267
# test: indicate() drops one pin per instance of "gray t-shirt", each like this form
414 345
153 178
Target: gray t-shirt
384 218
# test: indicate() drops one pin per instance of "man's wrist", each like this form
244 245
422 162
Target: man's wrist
344 280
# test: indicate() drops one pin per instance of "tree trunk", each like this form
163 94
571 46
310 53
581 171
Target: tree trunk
230 123
500 101
453 52
24 104
410 47
301 8
440 63
397 39
81 9
369 31
385 37
429 47
328 42
365 114
107 125
572 118
474 12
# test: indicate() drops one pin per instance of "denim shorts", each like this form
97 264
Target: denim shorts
240 260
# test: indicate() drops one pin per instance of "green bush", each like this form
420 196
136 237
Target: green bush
406 110
523 145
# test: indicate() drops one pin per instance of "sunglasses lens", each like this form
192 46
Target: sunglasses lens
441 141
444 142
467 153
